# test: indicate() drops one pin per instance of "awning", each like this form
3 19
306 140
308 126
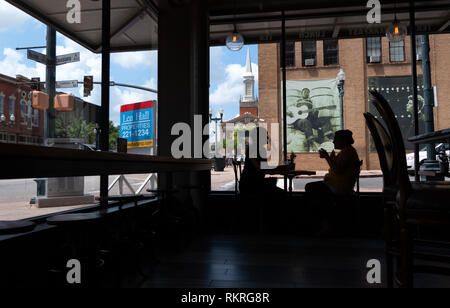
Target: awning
134 22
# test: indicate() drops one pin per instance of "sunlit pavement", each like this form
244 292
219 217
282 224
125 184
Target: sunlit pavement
15 195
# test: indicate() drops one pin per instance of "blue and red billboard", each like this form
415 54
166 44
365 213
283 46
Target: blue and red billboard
136 124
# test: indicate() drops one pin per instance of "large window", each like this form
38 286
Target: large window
331 52
397 51
290 54
2 103
12 105
373 49
419 44
309 53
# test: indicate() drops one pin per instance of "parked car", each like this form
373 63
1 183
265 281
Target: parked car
423 155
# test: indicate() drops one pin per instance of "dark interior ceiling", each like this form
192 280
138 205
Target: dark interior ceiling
134 22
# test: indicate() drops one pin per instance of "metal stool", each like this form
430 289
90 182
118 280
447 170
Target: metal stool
80 236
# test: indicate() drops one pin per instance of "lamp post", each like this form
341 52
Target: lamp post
8 125
215 120
340 81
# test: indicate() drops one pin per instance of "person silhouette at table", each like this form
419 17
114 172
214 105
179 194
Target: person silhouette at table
253 175
340 180
261 194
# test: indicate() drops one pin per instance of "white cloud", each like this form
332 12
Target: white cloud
217 67
13 64
11 17
230 90
135 59
122 96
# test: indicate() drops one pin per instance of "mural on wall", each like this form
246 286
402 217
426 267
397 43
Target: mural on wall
313 114
398 92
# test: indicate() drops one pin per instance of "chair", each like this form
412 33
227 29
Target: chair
81 236
242 199
340 201
384 147
416 205
237 167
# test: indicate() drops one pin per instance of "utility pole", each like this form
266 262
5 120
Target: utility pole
431 164
50 80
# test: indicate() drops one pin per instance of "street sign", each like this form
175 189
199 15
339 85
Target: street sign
37 56
69 58
67 84
136 124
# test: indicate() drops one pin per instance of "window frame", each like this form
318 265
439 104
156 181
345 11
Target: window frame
369 40
419 47
290 54
12 105
2 103
325 52
305 52
397 48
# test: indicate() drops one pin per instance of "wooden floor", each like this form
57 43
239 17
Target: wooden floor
255 261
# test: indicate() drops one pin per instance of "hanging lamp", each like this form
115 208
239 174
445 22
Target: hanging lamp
397 31
235 41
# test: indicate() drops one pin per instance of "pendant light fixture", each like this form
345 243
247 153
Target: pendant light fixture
235 41
397 31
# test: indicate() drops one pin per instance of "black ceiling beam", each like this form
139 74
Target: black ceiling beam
226 7
362 12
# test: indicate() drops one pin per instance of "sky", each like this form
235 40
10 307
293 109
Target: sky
17 29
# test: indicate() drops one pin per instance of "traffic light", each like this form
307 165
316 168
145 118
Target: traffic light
88 85
36 84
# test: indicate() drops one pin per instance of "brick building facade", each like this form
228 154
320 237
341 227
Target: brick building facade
28 127
353 56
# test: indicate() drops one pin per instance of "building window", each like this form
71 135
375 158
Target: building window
23 112
331 52
22 139
309 53
373 45
35 118
12 105
397 51
290 54
419 47
2 103
12 138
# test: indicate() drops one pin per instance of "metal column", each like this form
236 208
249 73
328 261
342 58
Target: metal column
412 22
104 116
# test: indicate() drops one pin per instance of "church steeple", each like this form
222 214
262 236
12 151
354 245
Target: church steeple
249 63
248 101
249 81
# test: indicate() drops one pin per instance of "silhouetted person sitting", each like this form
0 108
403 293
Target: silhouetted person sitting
263 197
253 176
340 179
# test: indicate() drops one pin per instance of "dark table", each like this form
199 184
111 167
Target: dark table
440 136
290 174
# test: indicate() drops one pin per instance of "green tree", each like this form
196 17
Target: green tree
77 128
114 133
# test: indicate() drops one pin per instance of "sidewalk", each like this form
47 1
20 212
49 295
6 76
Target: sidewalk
225 180
320 174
